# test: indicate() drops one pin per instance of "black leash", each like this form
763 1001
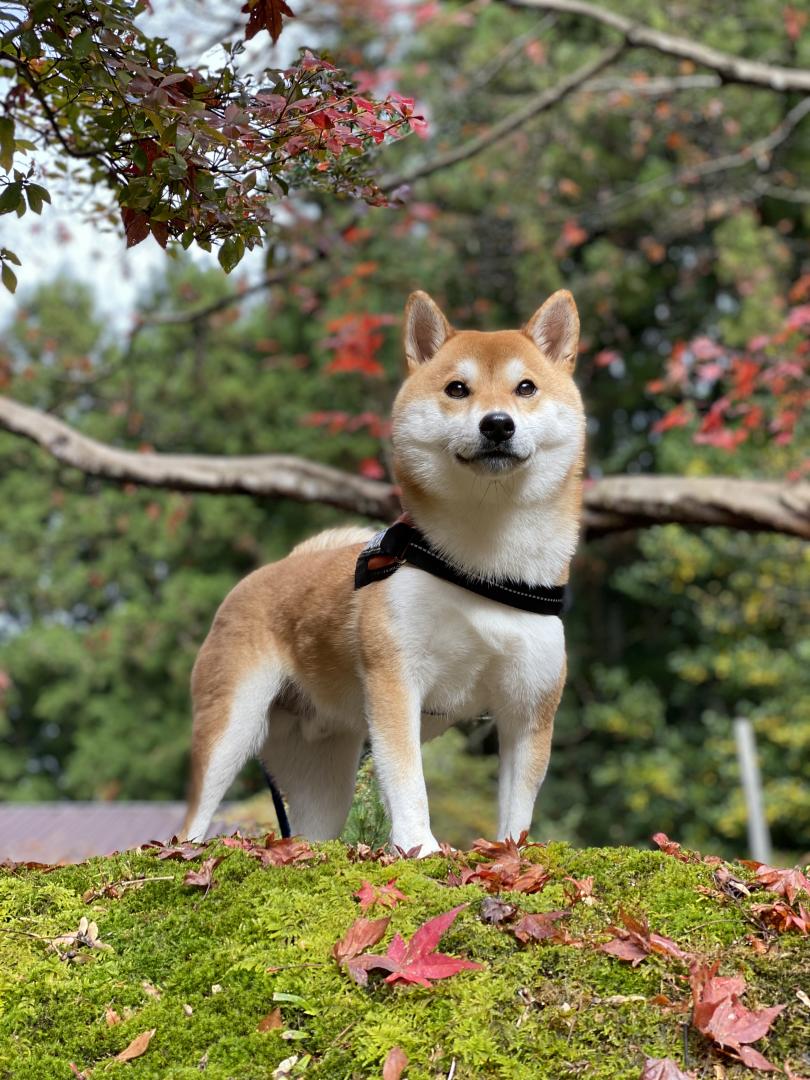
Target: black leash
278 802
402 544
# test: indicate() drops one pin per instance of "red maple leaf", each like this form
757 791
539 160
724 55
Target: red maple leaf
785 883
361 935
505 868
415 961
670 847
265 15
580 890
539 927
272 852
782 917
387 895
720 1015
184 851
634 941
203 878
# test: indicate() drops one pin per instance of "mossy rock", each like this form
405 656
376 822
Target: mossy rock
203 969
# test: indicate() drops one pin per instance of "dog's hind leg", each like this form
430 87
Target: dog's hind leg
230 726
317 777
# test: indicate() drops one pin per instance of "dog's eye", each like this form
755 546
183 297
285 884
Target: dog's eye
525 388
457 389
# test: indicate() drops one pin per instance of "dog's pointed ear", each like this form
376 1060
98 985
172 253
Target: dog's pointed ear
426 329
554 328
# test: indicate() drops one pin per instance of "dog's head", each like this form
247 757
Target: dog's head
489 405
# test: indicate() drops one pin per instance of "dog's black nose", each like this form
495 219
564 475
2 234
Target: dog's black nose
497 427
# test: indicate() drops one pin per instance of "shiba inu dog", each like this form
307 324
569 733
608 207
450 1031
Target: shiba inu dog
300 667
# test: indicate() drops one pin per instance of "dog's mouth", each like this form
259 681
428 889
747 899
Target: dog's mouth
495 458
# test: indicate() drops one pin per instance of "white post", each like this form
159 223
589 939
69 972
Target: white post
759 837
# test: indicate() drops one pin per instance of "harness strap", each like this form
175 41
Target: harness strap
402 544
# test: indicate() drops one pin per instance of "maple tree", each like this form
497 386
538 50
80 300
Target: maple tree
188 154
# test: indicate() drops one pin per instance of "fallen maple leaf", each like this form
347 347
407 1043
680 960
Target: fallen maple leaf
385 895
720 1015
787 883
539 927
111 1016
782 917
272 852
670 847
395 1061
171 850
663 1069
271 1021
204 877
137 1047
361 935
416 961
634 941
580 890
364 853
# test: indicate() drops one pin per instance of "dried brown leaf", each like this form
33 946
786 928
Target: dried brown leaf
137 1047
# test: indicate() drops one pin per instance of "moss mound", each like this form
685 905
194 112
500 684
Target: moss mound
203 969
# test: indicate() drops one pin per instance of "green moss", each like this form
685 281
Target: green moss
543 1011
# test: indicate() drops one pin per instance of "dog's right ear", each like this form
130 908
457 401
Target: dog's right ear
426 329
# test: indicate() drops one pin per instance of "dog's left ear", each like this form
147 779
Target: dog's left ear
554 328
426 329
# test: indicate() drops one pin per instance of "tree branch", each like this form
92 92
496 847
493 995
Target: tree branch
537 104
610 505
730 68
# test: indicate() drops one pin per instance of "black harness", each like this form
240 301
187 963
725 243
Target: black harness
403 545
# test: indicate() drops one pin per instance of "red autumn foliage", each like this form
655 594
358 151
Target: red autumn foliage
361 935
184 851
735 393
634 941
415 961
203 878
355 341
387 895
579 891
265 15
539 927
720 1015
782 917
505 869
784 882
282 852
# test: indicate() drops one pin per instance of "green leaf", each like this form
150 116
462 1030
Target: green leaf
9 278
231 252
6 142
10 198
83 44
36 196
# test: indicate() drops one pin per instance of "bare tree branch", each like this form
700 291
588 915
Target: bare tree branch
616 503
730 68
274 475
610 505
759 151
537 104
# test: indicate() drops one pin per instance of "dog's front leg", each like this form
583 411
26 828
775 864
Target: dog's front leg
394 719
524 750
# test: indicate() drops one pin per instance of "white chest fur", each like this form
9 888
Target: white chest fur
466 655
